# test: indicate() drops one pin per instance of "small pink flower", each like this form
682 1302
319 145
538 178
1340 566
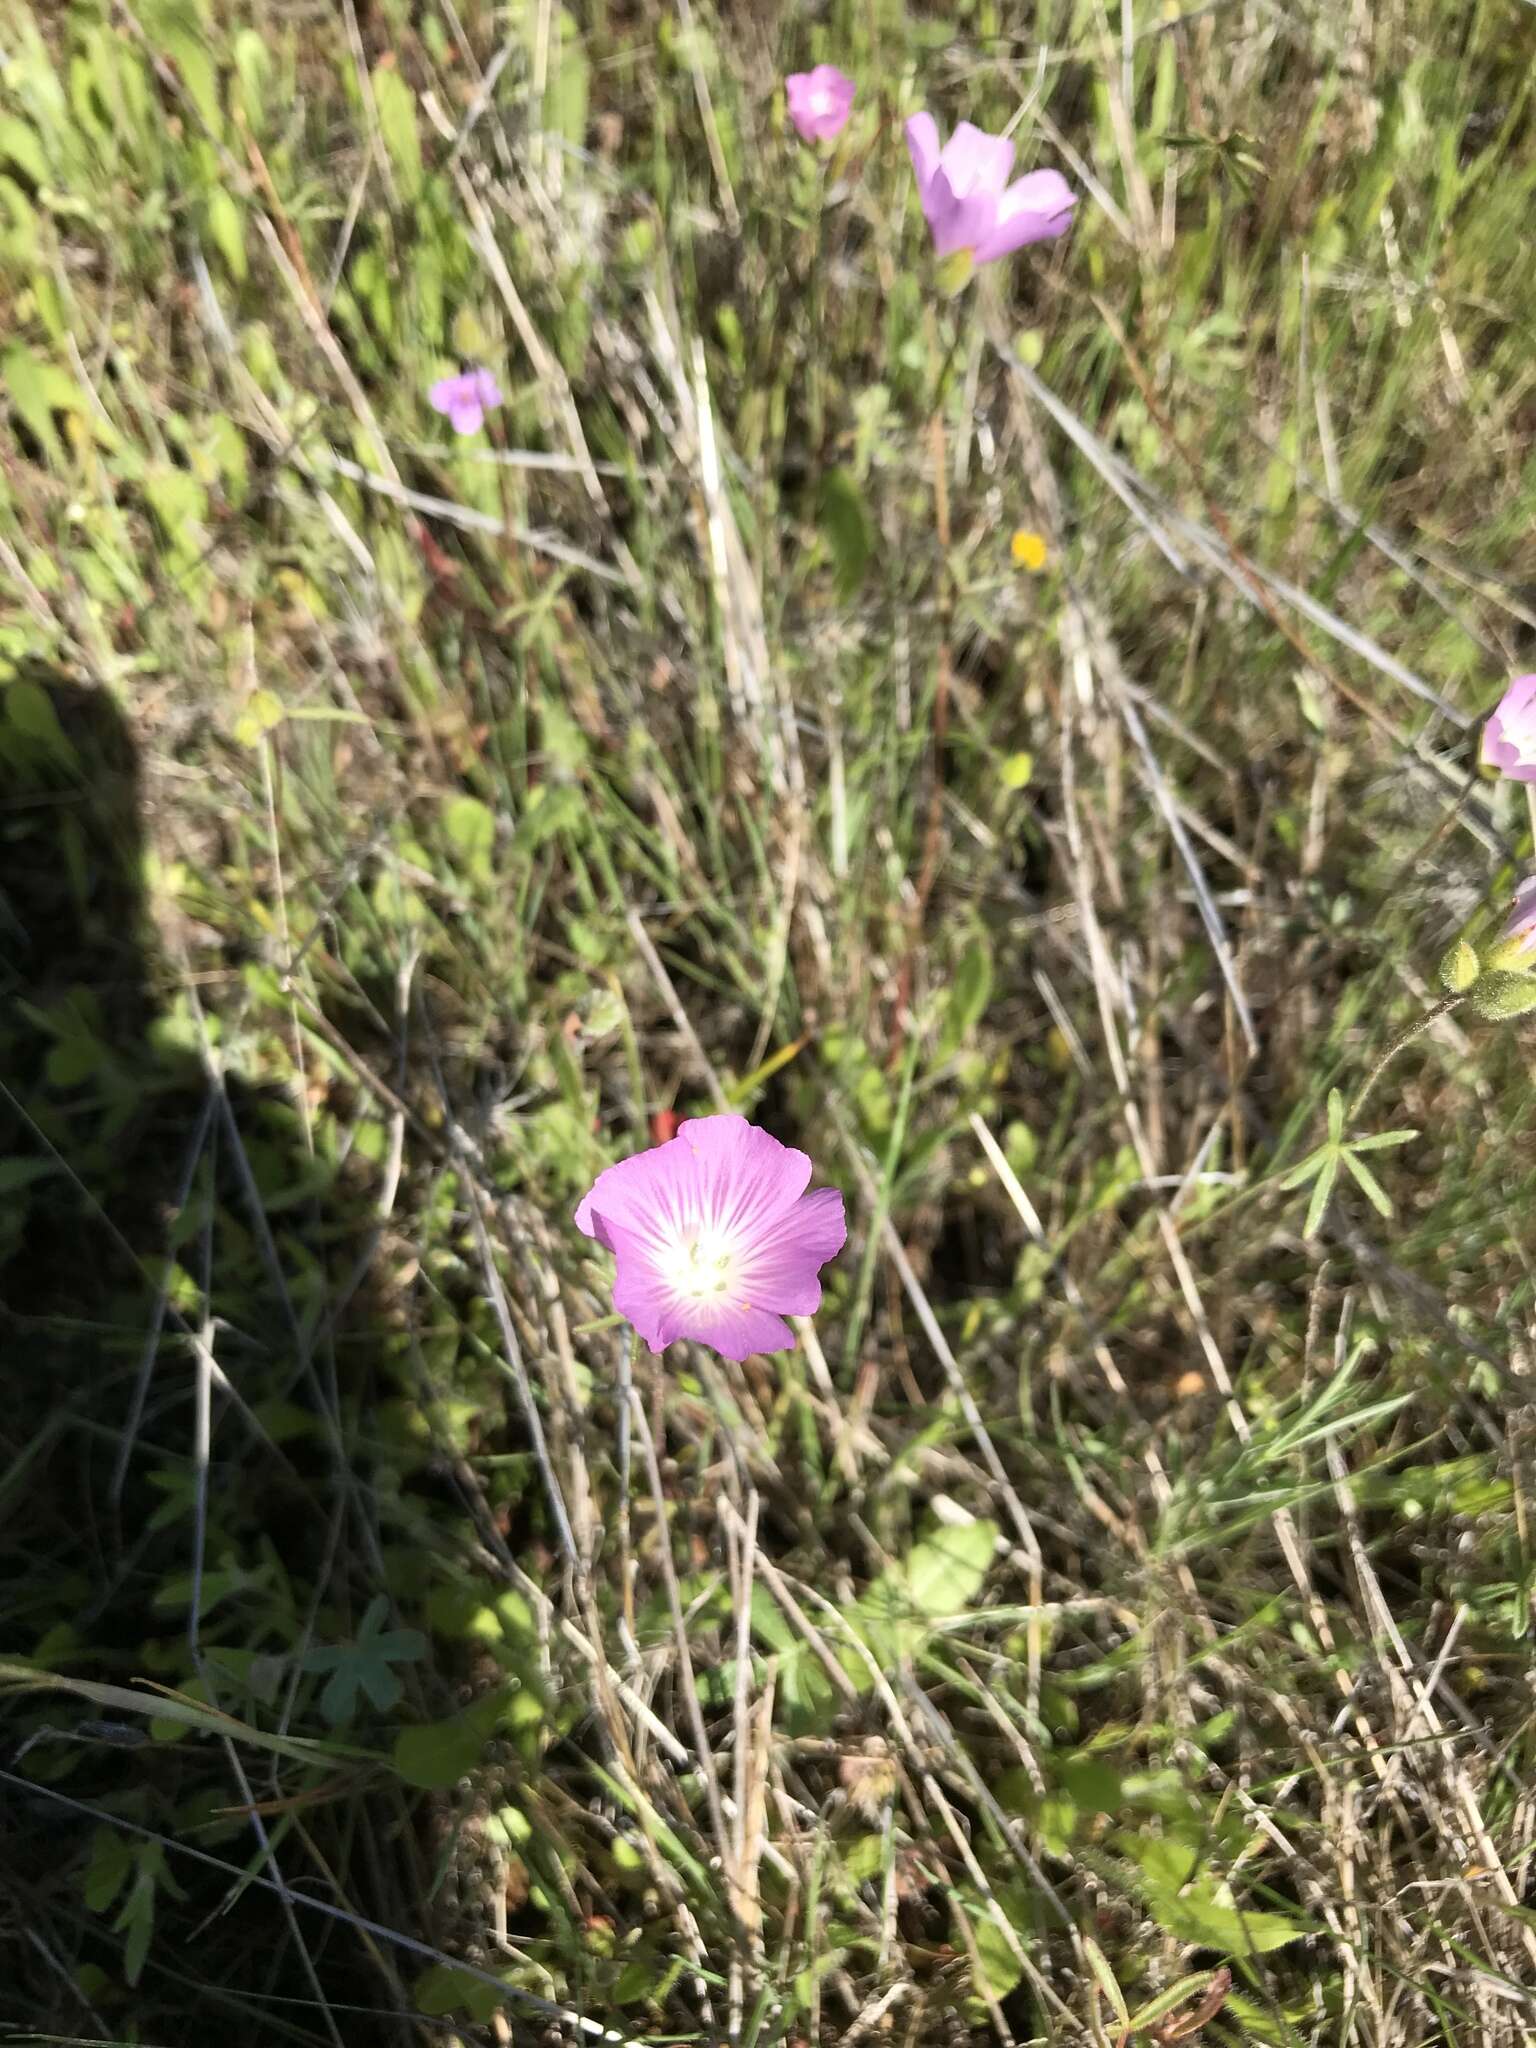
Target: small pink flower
968 201
1509 737
1518 939
714 1237
819 101
465 399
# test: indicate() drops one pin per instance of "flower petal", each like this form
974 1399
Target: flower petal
641 1292
747 1179
1035 208
957 222
487 391
1509 737
976 162
1520 930
466 417
639 1194
923 146
446 393
736 1332
783 1271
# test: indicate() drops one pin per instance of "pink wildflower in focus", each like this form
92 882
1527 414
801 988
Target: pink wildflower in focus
465 399
1509 737
819 102
968 201
714 1237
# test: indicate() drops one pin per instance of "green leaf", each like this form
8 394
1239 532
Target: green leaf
178 502
1320 1194
188 48
29 709
1381 1140
436 1754
1335 1115
16 1174
1183 1992
137 1921
846 528
19 242
364 1666
443 1990
565 98
471 829
253 64
263 712
226 230
1375 1193
1312 1165
937 1581
28 389
997 1964
397 124
552 807
185 1712
969 994
1105 1977
72 1061
19 145
111 1861
1191 1903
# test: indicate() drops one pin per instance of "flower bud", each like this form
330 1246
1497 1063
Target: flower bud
1459 969
1500 995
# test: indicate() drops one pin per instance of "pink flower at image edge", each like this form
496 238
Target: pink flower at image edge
819 102
466 399
1519 934
968 201
714 1237
1509 737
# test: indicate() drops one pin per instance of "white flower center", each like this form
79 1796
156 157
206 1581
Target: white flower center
703 1265
820 101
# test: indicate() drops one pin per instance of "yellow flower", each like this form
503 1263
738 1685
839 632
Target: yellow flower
1029 550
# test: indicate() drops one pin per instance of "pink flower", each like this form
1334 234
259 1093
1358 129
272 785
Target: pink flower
968 201
465 399
1518 939
1509 737
714 1237
819 101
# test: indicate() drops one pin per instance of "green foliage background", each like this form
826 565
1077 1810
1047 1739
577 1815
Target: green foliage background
1129 1578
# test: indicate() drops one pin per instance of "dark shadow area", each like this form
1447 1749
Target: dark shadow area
189 1336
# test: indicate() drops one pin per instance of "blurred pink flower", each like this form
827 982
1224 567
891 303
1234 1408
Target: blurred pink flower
465 399
968 201
819 102
714 1237
1518 938
1509 737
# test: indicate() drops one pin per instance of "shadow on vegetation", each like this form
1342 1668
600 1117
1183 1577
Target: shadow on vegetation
175 1265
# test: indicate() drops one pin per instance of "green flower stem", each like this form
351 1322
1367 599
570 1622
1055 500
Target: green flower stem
815 395
1405 1038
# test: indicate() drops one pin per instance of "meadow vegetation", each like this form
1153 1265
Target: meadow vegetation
1020 746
